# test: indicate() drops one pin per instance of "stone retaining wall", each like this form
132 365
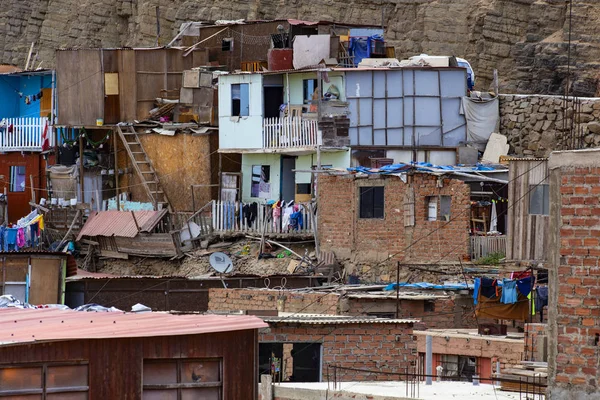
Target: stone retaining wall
536 125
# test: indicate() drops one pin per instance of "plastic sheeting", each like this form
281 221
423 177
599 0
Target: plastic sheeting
482 117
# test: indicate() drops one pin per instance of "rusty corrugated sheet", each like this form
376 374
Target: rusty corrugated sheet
120 223
47 325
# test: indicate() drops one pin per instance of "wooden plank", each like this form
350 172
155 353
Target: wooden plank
44 281
90 87
127 85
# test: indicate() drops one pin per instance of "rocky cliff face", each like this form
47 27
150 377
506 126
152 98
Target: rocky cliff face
524 39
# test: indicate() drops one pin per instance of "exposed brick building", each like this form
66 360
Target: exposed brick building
308 344
574 275
376 217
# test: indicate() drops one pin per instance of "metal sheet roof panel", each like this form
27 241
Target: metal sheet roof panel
120 223
46 325
325 319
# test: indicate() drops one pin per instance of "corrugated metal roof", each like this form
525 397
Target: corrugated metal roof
325 319
46 325
120 223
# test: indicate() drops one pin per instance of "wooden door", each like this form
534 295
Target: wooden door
15 169
44 282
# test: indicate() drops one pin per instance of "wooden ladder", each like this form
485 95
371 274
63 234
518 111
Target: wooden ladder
143 167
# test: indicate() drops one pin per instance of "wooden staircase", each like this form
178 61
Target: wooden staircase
143 167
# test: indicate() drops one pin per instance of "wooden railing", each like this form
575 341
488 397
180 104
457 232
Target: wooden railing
240 217
289 132
483 246
24 134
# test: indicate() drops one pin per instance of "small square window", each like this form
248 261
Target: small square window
371 202
539 199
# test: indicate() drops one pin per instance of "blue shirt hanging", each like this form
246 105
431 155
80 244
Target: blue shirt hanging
509 292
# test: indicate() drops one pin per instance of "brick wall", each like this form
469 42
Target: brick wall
454 311
574 275
284 301
359 239
536 345
381 347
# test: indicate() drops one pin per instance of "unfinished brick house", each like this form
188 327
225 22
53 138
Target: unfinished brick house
574 275
375 217
303 346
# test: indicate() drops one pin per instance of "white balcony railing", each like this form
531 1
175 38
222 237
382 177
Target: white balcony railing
289 132
24 134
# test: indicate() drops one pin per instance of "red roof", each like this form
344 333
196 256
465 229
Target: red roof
47 325
120 223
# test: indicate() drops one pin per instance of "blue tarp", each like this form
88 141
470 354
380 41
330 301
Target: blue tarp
362 47
426 285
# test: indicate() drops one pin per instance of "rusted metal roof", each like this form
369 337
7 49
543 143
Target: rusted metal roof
120 223
47 325
324 319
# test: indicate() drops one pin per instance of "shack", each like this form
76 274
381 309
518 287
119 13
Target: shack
529 217
120 234
303 345
50 353
34 277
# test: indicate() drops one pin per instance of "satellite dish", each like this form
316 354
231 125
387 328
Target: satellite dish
221 262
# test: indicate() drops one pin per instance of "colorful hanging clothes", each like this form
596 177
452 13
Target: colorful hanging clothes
488 288
526 285
493 308
21 242
509 292
541 300
10 239
520 274
476 287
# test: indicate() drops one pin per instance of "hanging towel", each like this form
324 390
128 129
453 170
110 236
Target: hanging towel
509 292
525 285
21 238
541 300
476 290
